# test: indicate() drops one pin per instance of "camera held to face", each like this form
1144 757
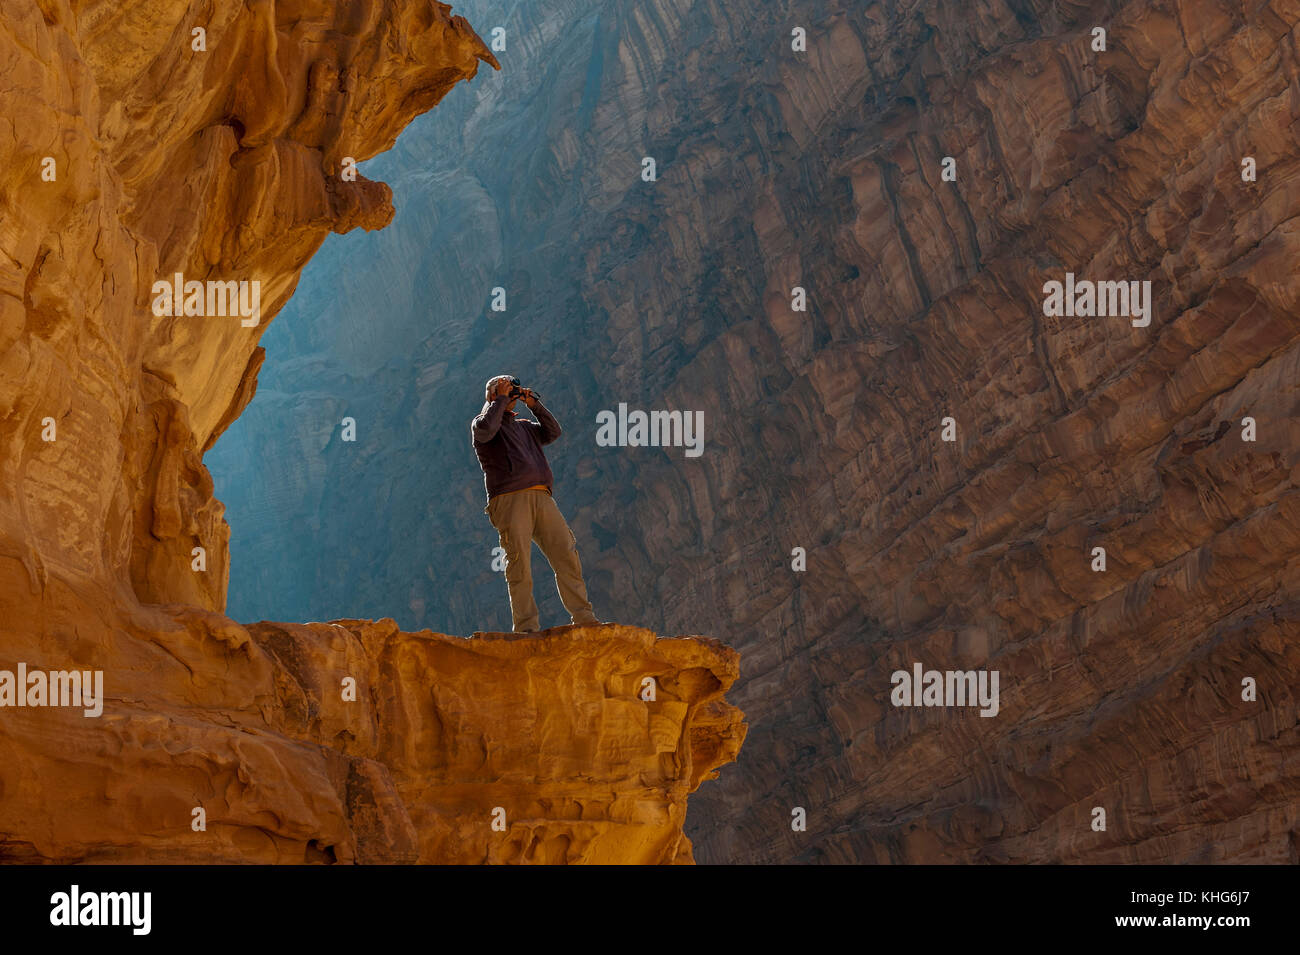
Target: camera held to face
519 391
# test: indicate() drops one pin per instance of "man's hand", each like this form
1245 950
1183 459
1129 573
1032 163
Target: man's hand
530 399
502 389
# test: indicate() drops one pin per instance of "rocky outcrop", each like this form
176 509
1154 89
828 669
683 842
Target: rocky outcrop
218 143
1121 689
355 742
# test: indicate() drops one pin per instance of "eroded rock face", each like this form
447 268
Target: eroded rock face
148 139
1120 689
500 748
220 164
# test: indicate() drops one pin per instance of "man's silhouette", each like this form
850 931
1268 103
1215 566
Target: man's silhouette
518 481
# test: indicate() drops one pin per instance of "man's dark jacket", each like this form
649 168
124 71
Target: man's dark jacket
509 447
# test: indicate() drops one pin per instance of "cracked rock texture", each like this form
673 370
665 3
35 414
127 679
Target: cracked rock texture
1120 689
255 726
127 155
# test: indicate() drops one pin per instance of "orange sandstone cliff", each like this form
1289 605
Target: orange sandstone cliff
162 137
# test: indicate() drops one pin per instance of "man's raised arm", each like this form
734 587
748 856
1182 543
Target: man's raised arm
550 427
488 421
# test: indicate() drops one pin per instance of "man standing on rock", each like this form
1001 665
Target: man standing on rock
520 507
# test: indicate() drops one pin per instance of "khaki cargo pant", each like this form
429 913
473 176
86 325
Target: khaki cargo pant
520 518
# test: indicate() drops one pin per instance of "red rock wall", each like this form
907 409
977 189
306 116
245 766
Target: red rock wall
1120 689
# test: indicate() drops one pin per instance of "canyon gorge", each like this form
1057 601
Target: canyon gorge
923 467
1121 688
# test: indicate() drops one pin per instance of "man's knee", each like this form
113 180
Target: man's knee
516 571
558 531
516 557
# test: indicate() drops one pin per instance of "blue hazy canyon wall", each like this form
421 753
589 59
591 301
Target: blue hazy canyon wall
823 169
